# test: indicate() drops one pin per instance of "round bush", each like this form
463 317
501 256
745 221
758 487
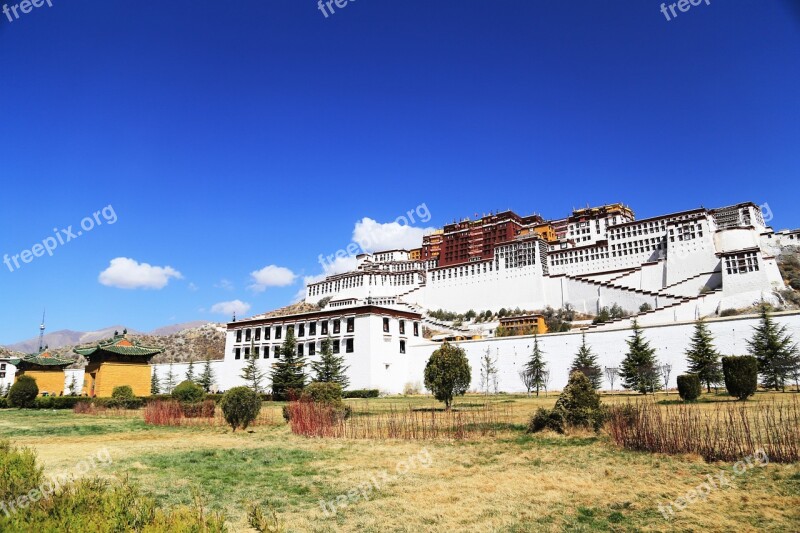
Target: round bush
741 376
322 392
123 392
189 392
689 387
23 392
240 406
546 419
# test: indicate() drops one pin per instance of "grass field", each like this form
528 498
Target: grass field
509 482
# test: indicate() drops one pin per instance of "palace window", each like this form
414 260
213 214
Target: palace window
238 335
300 350
247 333
416 329
402 327
258 334
402 346
277 352
336 346
290 328
348 345
742 263
385 325
312 348
247 352
278 332
312 328
324 327
237 353
301 330
337 326
267 331
351 325
256 351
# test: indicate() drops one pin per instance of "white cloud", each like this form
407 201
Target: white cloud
229 308
192 287
372 236
224 284
125 273
271 276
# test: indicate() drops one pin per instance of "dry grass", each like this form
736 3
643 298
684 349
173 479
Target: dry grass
507 482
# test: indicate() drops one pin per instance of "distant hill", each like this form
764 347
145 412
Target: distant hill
193 341
65 337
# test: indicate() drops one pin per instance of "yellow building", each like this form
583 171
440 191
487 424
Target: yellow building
117 361
523 325
46 369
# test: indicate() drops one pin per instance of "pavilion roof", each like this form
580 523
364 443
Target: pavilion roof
43 358
119 345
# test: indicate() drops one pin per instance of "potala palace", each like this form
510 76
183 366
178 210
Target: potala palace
684 266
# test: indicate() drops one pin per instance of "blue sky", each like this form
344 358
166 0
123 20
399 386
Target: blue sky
230 137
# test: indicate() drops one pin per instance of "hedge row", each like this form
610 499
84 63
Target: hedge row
361 393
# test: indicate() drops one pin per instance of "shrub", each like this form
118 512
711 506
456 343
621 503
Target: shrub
88 504
741 376
204 409
580 403
546 419
322 392
361 393
123 393
3 403
188 392
23 392
18 472
689 387
411 389
240 406
728 312
119 403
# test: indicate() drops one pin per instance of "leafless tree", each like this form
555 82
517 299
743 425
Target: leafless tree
611 375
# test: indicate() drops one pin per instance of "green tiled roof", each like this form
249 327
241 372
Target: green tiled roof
43 359
119 345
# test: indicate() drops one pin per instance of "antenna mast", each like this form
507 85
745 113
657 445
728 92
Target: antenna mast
41 333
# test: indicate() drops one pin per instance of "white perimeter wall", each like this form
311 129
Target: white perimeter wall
670 342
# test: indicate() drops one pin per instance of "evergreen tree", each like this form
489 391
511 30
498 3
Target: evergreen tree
586 363
252 373
536 367
155 384
170 381
207 377
288 374
330 368
703 358
778 357
638 371
190 372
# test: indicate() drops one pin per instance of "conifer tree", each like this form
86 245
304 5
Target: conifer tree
536 367
586 363
703 359
330 368
778 357
155 384
169 384
638 371
207 378
252 373
190 372
288 374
